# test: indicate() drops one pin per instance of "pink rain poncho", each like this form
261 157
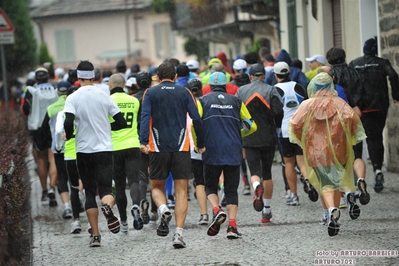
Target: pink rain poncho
326 128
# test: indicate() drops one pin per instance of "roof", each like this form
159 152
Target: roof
78 7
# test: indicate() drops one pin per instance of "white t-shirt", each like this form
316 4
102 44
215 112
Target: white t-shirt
91 108
102 86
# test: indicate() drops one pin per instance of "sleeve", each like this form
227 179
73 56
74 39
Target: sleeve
26 102
59 130
113 109
145 118
249 125
276 103
193 133
393 79
197 121
68 124
119 122
69 106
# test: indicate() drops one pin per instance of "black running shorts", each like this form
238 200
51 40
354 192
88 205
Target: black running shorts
162 163
289 149
260 160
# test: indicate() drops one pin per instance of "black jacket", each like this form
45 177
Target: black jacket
375 71
349 79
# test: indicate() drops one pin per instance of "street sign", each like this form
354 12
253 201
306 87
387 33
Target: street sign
6 29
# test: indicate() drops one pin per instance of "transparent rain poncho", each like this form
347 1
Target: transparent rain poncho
326 128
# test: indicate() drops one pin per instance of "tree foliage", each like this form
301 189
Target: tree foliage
44 55
20 56
195 47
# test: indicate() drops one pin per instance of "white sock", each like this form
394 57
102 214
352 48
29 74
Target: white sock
179 231
255 184
267 202
67 205
163 208
267 209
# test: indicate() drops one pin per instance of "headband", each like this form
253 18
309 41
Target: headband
86 74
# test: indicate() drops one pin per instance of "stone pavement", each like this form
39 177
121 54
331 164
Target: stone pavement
294 236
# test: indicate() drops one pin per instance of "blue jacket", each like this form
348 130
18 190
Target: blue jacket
295 73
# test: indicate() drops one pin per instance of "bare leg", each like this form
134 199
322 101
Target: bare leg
181 206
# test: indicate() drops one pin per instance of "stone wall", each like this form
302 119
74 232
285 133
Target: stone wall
389 40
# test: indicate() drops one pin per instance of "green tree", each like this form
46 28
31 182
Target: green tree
44 55
20 56
195 47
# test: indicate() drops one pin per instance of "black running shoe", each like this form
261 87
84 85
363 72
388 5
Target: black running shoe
258 198
163 227
144 205
333 225
312 192
51 195
364 196
232 233
379 181
306 184
137 219
112 221
354 210
218 219
95 241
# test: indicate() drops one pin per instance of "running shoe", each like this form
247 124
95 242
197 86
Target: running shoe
67 214
45 197
312 192
224 201
246 191
333 225
203 219
137 219
232 233
218 218
144 205
124 227
287 194
153 217
323 221
364 196
178 241
342 203
113 222
266 217
293 201
163 227
258 198
379 181
76 227
95 241
306 184
354 210
51 195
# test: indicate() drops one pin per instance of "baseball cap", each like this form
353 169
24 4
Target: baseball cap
41 69
257 70
239 64
63 86
214 61
217 78
281 68
130 82
317 57
192 64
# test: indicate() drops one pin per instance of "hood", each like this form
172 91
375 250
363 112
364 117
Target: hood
222 56
284 56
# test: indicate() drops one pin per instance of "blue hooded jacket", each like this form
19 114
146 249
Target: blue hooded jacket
295 73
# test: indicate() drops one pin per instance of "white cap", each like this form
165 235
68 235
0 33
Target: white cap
281 68
59 71
192 64
239 64
131 81
31 75
317 57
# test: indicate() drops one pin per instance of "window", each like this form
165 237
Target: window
165 41
292 29
65 47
